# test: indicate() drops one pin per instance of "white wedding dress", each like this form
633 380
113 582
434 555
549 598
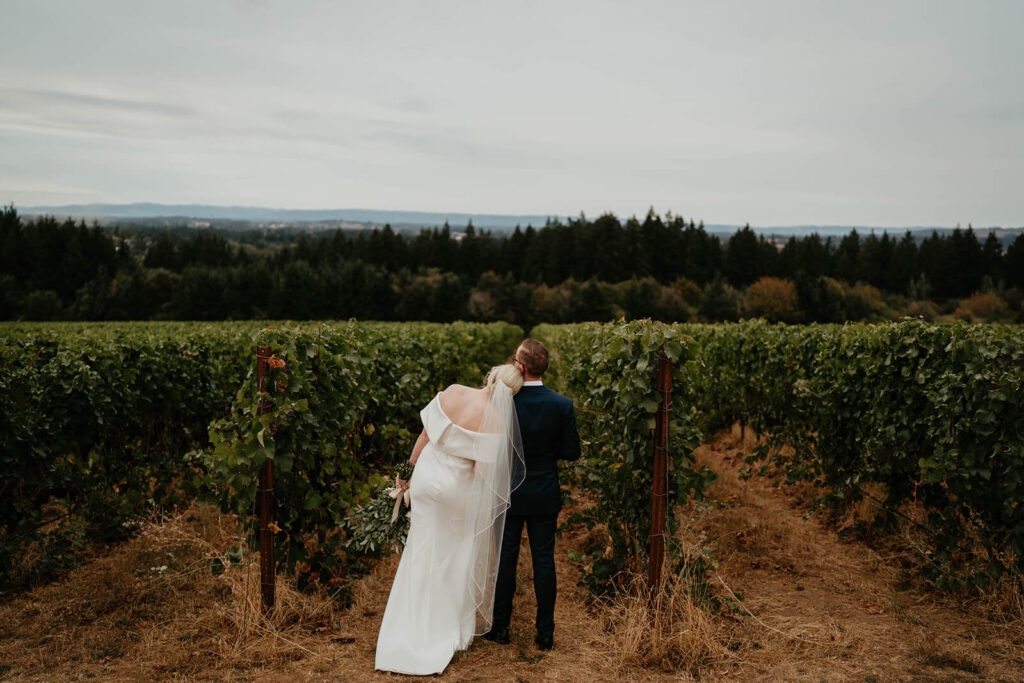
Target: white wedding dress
436 604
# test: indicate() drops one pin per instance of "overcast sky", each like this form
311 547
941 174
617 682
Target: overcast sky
777 113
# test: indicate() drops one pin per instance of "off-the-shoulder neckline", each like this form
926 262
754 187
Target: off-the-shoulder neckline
451 421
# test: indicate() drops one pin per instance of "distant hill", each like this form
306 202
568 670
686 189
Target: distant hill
261 215
247 216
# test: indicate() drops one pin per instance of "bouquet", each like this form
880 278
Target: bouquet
378 527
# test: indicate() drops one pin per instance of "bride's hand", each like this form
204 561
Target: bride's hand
401 494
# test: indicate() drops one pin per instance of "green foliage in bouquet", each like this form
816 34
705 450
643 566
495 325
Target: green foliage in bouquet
370 527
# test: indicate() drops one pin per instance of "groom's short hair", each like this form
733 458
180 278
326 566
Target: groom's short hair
534 356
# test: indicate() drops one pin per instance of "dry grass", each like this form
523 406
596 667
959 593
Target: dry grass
153 607
840 610
673 633
1003 604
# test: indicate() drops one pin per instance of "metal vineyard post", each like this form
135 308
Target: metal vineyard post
659 493
266 495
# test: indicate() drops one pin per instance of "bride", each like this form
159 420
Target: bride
468 459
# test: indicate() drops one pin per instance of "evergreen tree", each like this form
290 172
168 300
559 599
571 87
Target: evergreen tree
593 303
742 257
970 262
992 259
1014 262
768 259
814 256
162 253
789 257
938 265
848 258
876 256
514 254
903 264
820 299
720 302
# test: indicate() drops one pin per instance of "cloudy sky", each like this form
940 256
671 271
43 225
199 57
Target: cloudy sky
868 113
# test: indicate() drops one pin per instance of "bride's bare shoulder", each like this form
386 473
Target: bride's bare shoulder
453 393
458 398
459 391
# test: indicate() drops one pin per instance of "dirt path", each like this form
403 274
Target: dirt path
827 609
822 610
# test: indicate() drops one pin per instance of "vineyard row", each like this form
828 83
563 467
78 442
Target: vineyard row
102 421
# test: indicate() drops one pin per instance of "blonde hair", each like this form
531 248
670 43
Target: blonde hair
505 373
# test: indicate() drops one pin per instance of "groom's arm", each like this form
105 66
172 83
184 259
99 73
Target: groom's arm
569 448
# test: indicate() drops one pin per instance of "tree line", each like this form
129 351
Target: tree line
663 267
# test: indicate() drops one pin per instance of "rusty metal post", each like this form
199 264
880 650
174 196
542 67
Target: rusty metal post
265 496
659 493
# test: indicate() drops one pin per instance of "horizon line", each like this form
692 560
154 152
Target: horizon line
82 207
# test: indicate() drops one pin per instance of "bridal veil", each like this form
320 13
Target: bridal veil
499 469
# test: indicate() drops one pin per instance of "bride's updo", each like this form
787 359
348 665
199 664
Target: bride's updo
505 373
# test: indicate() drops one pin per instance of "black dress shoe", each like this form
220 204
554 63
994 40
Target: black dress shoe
544 642
497 635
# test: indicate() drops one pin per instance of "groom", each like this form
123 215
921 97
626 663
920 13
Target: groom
547 423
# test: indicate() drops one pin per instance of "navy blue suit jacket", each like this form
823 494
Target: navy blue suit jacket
547 422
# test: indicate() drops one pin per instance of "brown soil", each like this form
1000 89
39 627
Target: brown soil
831 610
810 608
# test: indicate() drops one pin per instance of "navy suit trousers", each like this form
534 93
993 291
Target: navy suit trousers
540 529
